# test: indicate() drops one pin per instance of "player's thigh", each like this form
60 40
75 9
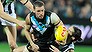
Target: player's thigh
19 49
13 31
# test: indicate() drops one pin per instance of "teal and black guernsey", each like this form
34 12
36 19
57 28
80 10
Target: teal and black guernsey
43 29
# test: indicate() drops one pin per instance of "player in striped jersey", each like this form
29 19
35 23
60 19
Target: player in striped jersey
7 11
73 35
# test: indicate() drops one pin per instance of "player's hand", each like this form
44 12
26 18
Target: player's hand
22 23
34 47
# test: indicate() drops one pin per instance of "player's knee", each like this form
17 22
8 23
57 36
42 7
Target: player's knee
13 46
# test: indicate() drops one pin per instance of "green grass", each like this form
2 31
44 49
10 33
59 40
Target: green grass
83 48
4 47
78 48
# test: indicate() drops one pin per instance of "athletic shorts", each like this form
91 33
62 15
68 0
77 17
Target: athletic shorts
71 46
5 22
25 49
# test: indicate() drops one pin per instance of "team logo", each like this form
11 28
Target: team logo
34 26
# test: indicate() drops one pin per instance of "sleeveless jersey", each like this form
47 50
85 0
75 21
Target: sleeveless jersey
43 29
8 1
9 9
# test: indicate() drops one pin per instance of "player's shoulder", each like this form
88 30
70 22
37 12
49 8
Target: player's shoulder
49 13
32 14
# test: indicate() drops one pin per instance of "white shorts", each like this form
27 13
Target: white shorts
25 49
71 46
5 22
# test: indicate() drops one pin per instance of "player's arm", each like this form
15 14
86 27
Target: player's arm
1 6
11 19
57 22
8 17
29 34
28 4
4 15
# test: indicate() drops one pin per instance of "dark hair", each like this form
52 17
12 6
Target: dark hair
38 4
77 33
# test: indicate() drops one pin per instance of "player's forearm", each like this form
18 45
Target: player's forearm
28 4
1 7
8 17
28 37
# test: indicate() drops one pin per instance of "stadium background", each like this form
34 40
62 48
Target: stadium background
71 12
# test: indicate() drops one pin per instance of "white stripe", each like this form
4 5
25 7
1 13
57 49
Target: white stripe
34 24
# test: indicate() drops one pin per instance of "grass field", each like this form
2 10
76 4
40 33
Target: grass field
78 48
83 48
4 47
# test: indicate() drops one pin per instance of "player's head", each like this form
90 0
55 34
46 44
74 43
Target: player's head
39 9
74 33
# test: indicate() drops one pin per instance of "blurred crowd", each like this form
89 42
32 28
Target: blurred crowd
69 8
